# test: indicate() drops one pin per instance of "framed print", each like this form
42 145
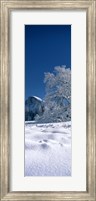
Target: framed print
47 98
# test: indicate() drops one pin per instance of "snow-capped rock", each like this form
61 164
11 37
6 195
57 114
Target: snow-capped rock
33 106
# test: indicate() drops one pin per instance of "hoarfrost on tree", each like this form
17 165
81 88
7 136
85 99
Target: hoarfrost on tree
58 96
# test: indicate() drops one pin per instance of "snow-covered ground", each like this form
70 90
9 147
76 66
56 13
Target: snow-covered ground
48 149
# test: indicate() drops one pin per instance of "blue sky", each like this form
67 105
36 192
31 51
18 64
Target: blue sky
46 46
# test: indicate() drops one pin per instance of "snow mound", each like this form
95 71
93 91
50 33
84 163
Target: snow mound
48 149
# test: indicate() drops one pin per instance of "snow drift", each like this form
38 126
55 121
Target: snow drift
48 149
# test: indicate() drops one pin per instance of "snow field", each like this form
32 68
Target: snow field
48 149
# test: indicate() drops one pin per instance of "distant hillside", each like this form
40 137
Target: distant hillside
33 106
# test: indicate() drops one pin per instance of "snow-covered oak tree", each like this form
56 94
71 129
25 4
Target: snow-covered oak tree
58 95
